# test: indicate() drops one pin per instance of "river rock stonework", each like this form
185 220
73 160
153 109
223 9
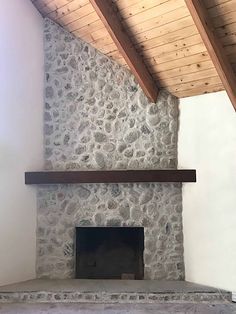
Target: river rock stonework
97 117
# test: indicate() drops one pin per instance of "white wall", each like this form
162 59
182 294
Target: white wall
21 135
207 142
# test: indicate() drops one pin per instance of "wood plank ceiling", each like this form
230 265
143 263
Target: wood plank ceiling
164 34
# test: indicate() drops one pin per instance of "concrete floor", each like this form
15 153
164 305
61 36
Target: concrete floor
109 291
111 286
186 308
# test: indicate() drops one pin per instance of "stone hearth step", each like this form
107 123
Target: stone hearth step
110 291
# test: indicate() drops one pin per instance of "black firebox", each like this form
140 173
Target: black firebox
109 252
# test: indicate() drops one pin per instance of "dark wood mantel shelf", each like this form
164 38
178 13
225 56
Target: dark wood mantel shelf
109 176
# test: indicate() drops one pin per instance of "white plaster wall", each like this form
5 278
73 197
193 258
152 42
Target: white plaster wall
207 142
21 135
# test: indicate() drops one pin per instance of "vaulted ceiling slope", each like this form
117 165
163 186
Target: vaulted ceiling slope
164 34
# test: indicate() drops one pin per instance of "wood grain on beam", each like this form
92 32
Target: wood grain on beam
108 16
203 23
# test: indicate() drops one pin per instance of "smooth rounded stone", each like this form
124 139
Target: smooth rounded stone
112 117
78 47
155 161
85 139
40 231
101 83
114 222
166 139
108 127
66 139
160 275
115 95
153 120
91 102
153 109
118 127
101 112
148 258
129 152
121 165
112 204
132 136
131 123
178 208
100 137
133 108
85 222
133 164
92 76
172 163
143 100
73 63
145 129
179 237
84 158
60 266
108 88
173 126
134 197
48 152
41 251
122 147
49 92
163 221
57 242
109 147
99 219
122 114
83 125
115 190
124 211
163 163
47 268
150 245
83 193
71 208
48 129
99 122
52 220
168 228
109 106
146 196
80 149
146 222
62 70
100 160
47 116
140 153
135 213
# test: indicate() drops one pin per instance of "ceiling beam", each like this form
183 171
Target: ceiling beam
108 16
215 49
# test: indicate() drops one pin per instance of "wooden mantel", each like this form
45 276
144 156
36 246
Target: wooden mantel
109 176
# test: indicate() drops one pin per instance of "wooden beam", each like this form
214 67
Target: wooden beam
215 49
109 176
108 16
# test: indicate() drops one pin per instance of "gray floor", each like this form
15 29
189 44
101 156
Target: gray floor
186 308
83 285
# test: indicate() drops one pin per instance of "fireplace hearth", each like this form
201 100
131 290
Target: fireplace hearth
109 252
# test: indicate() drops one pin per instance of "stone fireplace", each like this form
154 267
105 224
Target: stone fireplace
97 117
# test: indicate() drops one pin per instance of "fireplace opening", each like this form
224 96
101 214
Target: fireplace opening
109 252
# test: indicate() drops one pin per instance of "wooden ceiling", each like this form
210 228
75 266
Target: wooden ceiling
163 33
